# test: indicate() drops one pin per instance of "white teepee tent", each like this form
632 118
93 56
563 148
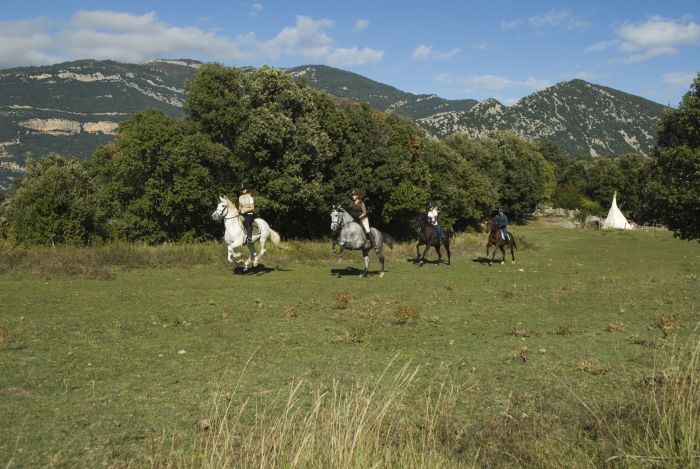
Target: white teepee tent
615 218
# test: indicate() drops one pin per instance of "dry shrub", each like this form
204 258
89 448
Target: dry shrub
518 331
592 367
667 324
290 312
564 329
343 299
405 314
616 327
522 354
352 336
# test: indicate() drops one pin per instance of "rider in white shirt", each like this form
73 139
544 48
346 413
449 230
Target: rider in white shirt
433 213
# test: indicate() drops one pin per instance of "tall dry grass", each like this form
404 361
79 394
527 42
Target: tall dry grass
101 261
367 425
656 422
665 429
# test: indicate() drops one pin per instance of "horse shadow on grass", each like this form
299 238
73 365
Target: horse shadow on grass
352 272
416 261
260 269
486 260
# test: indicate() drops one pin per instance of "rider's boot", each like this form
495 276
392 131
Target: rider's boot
372 242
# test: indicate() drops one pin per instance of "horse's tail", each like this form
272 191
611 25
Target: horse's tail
276 240
514 243
388 240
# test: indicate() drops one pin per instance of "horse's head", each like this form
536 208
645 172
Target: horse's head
336 218
224 207
420 222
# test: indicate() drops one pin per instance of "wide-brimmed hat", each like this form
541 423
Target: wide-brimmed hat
245 186
356 192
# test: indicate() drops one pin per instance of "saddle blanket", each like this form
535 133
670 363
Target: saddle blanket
256 228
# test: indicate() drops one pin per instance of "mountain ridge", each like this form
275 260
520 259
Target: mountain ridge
72 107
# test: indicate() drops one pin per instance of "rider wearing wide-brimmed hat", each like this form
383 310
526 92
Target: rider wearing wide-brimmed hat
359 212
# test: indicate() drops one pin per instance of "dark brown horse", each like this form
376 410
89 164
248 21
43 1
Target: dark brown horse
496 240
428 236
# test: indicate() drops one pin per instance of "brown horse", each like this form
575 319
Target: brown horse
427 235
496 240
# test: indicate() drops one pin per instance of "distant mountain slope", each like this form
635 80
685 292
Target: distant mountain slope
580 117
73 107
342 84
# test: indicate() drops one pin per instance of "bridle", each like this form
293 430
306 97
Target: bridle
224 212
339 222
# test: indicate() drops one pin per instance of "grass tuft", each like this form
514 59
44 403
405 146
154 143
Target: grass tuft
405 314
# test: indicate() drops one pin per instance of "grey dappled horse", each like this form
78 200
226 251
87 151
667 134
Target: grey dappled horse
348 235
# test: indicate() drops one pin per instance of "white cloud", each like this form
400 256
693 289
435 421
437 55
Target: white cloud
136 38
551 18
26 43
424 52
679 78
654 37
657 32
308 39
491 83
480 46
557 18
646 55
444 77
255 8
601 46
360 25
509 24
583 75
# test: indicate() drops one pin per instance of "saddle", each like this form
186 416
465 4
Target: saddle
256 228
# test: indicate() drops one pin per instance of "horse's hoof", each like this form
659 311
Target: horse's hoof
340 260
381 274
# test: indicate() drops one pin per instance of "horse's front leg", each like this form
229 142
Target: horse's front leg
259 254
340 254
366 257
503 251
422 258
417 250
439 253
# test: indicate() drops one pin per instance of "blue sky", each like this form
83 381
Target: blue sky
455 49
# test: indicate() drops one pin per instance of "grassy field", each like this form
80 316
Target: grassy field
130 355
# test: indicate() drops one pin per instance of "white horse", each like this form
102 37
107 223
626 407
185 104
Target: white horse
235 235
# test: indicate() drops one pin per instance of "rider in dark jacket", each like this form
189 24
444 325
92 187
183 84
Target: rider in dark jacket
501 220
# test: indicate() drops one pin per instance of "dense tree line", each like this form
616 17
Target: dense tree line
302 151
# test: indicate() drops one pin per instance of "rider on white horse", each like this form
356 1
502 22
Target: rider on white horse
246 206
359 212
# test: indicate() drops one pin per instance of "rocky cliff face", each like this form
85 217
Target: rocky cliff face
580 117
71 108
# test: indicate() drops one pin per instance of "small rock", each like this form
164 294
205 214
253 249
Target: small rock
182 352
